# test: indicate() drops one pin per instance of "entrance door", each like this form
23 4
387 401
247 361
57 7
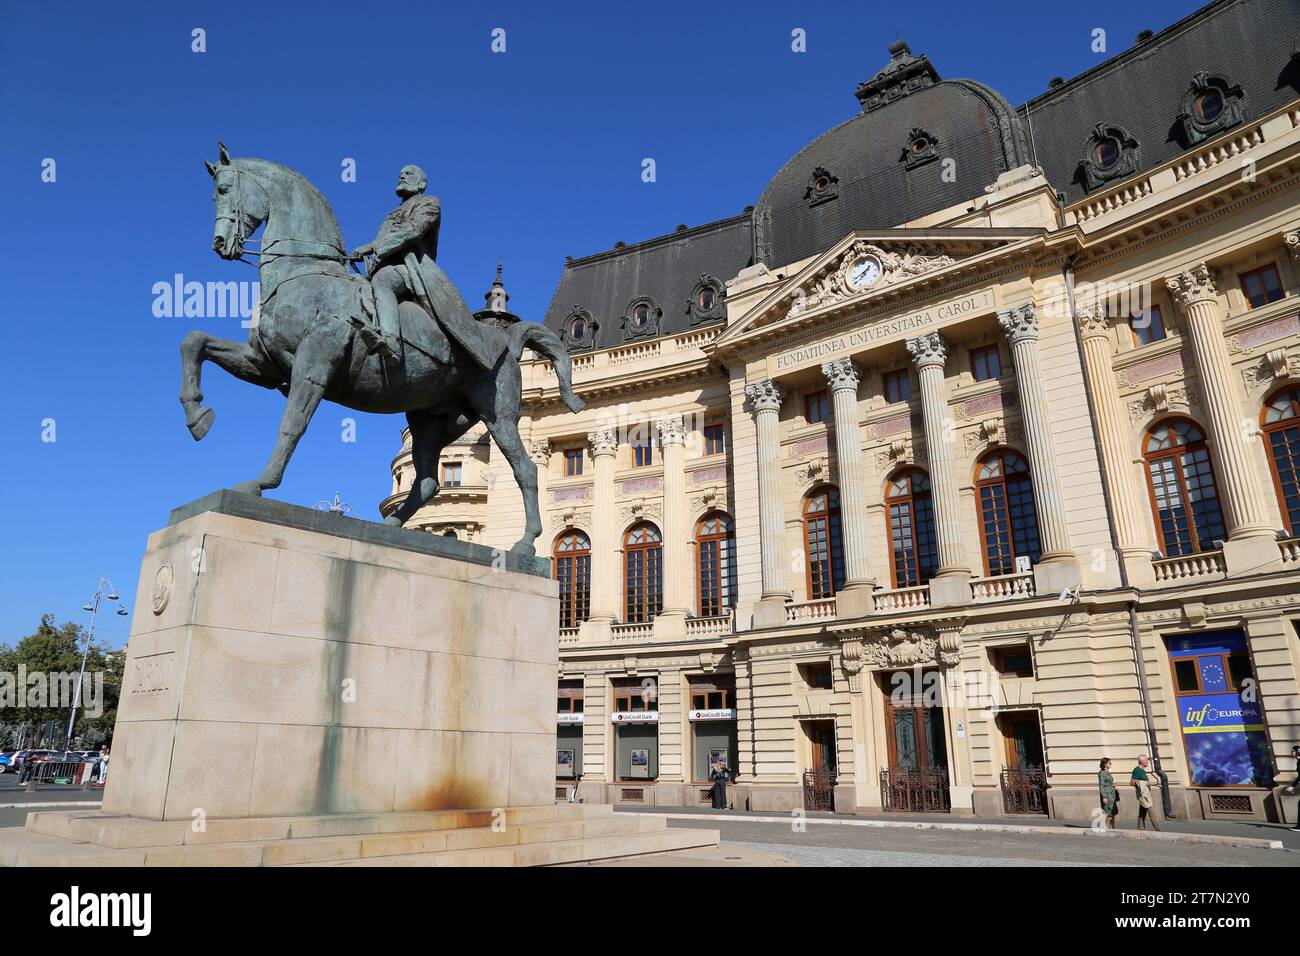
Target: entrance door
917 778
819 781
1024 781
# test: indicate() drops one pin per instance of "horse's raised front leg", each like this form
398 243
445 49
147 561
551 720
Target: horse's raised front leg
314 365
430 434
237 358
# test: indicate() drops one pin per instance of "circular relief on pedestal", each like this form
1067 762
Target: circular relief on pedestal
162 588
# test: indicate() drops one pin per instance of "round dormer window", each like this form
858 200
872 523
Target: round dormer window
1106 153
1209 106
577 329
707 299
641 315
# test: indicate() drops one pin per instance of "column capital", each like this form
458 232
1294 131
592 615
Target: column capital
1194 284
1093 320
603 441
928 349
672 430
841 373
1292 242
1019 324
539 450
765 396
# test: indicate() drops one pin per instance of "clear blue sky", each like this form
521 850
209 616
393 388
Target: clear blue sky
535 153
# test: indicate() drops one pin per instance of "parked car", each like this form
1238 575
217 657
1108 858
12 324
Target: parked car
7 764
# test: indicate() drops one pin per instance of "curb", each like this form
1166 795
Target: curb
52 803
1256 843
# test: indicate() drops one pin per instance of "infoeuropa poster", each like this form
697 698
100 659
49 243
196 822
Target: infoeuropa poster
1218 704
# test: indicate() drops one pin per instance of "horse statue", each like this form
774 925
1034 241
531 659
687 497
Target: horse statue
306 342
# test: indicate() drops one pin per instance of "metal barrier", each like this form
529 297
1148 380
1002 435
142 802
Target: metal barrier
52 771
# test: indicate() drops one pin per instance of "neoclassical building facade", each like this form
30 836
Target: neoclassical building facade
967 456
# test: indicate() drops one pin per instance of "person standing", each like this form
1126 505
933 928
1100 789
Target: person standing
1109 795
103 764
719 792
1295 752
1141 781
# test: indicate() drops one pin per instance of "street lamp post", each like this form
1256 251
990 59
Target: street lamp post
105 590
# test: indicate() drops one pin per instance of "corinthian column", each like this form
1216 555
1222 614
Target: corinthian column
951 585
1020 326
1240 490
842 377
677 563
765 399
604 528
539 450
1127 506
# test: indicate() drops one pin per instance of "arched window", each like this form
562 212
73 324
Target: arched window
1008 522
1183 495
1281 421
715 561
911 528
824 539
573 571
643 573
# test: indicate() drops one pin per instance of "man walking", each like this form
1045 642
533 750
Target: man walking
1141 781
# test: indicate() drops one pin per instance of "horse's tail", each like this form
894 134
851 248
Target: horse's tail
538 337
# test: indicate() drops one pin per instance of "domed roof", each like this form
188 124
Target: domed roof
919 145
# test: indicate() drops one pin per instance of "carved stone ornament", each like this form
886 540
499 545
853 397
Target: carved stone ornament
900 647
539 450
929 349
1158 399
1093 319
1193 284
922 147
841 374
815 470
1292 242
672 430
161 593
832 284
1019 324
765 396
603 441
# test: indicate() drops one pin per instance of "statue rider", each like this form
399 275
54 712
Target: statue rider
402 265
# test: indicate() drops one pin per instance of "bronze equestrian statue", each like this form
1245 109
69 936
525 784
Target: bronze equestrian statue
428 358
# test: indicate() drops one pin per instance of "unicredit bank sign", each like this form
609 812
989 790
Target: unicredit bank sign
721 713
634 717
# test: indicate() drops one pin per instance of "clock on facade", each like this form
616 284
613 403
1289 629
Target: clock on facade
864 272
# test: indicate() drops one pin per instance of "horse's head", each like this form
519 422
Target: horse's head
242 205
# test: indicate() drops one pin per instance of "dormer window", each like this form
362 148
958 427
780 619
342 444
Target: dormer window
579 330
1110 153
706 301
823 186
1210 106
641 319
922 147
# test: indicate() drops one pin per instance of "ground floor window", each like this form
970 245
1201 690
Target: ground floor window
712 716
636 752
1218 711
568 752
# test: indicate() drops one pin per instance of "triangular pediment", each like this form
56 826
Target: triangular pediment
867 267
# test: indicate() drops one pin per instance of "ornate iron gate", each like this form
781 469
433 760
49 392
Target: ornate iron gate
819 790
915 790
1024 791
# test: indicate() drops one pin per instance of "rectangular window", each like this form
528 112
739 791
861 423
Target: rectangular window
898 387
984 363
451 474
1185 673
1262 286
817 676
572 462
1238 670
642 452
816 407
715 439
1148 327
1013 661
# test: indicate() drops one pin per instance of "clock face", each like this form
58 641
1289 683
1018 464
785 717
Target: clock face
864 272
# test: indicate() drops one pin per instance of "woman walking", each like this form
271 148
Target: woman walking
1109 795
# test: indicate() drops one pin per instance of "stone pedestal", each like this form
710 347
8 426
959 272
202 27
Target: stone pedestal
285 661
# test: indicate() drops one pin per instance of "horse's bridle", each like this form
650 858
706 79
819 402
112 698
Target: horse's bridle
240 232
